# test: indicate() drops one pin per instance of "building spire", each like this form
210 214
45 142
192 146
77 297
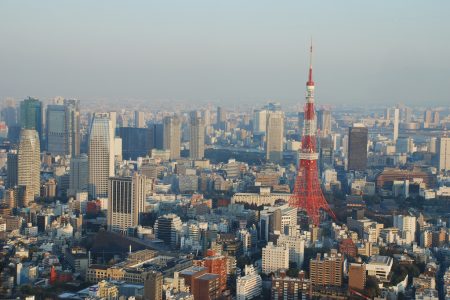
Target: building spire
310 75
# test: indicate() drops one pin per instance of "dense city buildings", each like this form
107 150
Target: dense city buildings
132 199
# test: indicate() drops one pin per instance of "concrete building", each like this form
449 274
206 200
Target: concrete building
248 286
153 286
327 270
29 163
79 174
167 228
357 147
274 258
296 246
101 155
396 123
11 169
407 227
126 200
324 122
380 267
443 152
274 136
63 128
357 276
197 136
172 136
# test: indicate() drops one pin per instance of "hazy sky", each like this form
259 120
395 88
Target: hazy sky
226 51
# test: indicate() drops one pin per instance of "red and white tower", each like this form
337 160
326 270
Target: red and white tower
308 194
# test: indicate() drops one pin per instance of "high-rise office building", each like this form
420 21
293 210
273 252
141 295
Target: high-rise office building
259 121
396 123
197 136
63 128
101 155
136 142
324 122
79 174
167 228
427 118
31 115
408 114
172 136
29 163
387 115
139 120
436 118
221 118
357 147
328 270
11 169
274 136
126 200
9 115
153 286
443 153
158 135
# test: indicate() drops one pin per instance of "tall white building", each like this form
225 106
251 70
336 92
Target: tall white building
79 174
407 227
396 123
259 121
172 136
126 200
296 246
197 136
274 136
101 155
274 258
29 163
250 285
443 148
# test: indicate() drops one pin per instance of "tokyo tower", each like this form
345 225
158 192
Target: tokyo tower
308 194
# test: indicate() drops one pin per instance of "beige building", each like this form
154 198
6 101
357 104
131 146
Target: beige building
274 258
327 270
126 200
172 136
274 136
197 136
29 163
101 155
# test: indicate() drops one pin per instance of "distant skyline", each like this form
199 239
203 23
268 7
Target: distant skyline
231 52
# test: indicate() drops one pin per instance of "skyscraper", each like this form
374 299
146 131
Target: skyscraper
259 121
101 155
31 115
357 147
396 122
79 174
443 153
275 135
197 136
136 142
324 122
126 199
29 163
139 120
427 118
63 128
172 136
221 118
153 283
11 171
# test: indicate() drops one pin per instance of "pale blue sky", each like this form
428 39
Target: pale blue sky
234 51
